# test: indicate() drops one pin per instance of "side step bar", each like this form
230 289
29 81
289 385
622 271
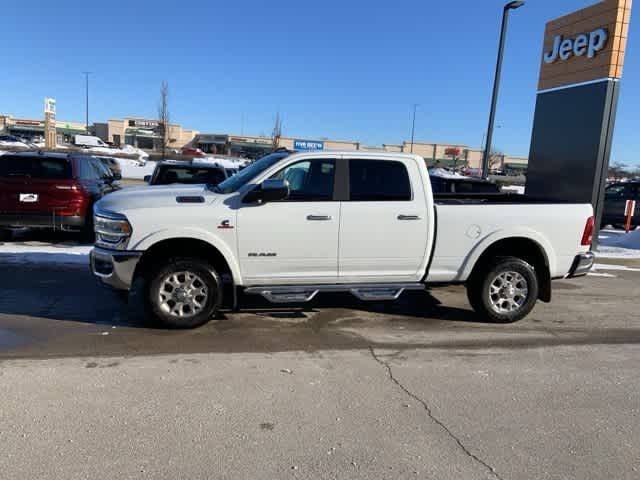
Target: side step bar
305 293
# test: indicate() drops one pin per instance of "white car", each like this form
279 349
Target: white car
292 225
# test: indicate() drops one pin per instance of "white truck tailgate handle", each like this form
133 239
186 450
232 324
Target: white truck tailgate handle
318 217
408 217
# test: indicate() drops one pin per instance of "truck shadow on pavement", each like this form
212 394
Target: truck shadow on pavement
42 308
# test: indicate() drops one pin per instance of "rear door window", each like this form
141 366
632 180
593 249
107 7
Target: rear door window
35 167
378 181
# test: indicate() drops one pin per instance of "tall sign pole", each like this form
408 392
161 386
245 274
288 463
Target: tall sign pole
86 99
50 140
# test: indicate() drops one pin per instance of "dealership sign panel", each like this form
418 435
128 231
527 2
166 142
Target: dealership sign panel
308 145
580 71
585 45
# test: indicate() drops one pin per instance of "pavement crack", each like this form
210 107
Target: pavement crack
435 419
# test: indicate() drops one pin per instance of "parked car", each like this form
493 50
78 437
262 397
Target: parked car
11 141
88 141
288 227
615 200
191 172
192 151
113 165
50 190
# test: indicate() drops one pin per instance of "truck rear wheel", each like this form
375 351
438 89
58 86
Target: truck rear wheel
506 293
184 293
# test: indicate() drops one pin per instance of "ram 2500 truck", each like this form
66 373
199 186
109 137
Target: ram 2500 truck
292 225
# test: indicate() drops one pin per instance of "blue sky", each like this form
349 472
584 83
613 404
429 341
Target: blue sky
348 69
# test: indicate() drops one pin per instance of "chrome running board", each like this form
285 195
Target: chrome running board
305 293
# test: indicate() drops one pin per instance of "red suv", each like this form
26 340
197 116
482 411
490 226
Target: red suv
51 190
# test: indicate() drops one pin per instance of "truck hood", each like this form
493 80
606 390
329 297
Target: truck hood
160 196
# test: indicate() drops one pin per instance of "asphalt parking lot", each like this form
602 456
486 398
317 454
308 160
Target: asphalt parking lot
334 389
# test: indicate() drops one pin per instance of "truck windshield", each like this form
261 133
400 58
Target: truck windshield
232 184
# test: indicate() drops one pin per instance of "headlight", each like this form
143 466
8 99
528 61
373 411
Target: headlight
112 230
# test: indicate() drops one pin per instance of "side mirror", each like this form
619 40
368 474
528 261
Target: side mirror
270 190
147 178
117 176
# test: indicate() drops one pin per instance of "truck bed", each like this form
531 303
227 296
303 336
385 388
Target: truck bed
488 198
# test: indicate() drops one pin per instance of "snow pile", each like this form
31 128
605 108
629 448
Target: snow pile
442 173
12 253
513 189
224 162
617 244
104 150
7 144
134 169
131 150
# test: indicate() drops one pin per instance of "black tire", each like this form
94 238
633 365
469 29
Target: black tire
167 312
5 235
488 306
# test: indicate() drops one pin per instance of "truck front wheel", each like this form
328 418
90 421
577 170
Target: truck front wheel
184 292
506 293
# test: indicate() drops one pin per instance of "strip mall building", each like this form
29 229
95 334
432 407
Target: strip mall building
145 133
435 154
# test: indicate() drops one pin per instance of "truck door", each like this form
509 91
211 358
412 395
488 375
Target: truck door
383 225
294 240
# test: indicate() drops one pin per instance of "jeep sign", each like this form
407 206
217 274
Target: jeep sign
588 43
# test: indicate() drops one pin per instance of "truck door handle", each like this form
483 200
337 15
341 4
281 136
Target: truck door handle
319 217
408 217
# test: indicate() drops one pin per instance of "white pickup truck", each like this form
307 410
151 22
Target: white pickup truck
295 224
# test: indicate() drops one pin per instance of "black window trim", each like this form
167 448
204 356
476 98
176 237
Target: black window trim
373 159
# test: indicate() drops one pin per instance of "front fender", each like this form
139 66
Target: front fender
222 245
521 232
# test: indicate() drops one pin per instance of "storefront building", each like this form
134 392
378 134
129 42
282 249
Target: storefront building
142 133
146 134
254 147
32 129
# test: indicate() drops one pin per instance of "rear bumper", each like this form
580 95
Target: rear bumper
42 220
114 268
581 265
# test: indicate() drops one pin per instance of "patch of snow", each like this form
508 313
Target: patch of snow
134 169
12 253
131 150
514 189
442 173
6 144
617 244
606 266
104 150
597 274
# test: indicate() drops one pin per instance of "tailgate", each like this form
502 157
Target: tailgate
25 195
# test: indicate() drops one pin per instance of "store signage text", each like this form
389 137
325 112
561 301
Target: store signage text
143 123
585 43
307 145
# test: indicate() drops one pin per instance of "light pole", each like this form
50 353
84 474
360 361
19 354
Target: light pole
484 136
413 125
86 92
496 83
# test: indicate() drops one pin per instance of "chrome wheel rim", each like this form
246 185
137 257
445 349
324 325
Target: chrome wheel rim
508 292
182 294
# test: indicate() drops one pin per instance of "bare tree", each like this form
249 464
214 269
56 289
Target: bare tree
163 118
276 134
617 171
496 159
